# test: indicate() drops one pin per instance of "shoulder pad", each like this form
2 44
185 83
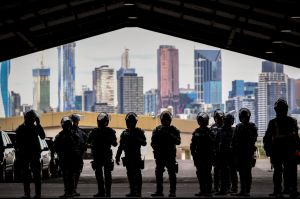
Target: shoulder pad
140 130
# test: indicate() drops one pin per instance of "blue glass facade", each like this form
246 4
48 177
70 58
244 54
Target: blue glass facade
4 94
237 88
69 76
208 76
78 102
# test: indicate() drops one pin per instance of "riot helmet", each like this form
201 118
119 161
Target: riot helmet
281 107
244 115
202 119
75 119
228 119
66 123
218 116
131 120
166 118
30 117
103 119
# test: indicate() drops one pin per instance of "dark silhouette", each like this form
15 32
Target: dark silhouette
203 152
281 142
68 146
28 151
215 128
131 141
164 139
243 145
100 140
75 119
224 157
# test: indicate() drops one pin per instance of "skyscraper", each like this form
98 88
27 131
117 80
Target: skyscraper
104 85
237 88
41 89
168 77
66 91
15 103
150 101
292 94
78 102
297 93
271 86
242 95
208 76
130 88
4 94
88 100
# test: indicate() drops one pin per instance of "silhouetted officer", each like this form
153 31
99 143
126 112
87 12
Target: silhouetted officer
224 156
28 151
244 148
75 119
202 150
218 118
131 141
281 142
100 140
67 145
164 139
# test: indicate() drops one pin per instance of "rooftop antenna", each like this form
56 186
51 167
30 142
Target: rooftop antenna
42 60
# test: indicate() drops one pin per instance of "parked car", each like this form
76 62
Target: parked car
55 169
45 159
17 166
7 158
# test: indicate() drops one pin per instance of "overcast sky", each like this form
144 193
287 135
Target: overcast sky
106 49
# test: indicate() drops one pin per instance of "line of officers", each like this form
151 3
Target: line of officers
225 149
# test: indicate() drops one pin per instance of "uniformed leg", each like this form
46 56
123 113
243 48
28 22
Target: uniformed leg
225 179
242 174
139 182
172 177
65 179
100 181
199 177
248 183
26 177
77 176
131 176
233 179
37 178
290 175
71 182
208 179
277 177
159 171
216 178
108 180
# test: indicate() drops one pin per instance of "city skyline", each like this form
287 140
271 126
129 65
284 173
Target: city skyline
246 68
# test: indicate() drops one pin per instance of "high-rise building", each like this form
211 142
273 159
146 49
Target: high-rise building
297 93
271 86
237 88
15 102
168 77
88 100
208 76
4 93
129 88
186 97
41 89
66 90
242 95
292 94
78 102
150 101
104 85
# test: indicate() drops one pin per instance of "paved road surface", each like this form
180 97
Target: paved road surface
187 183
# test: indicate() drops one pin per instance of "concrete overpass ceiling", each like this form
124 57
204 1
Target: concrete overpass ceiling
268 29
